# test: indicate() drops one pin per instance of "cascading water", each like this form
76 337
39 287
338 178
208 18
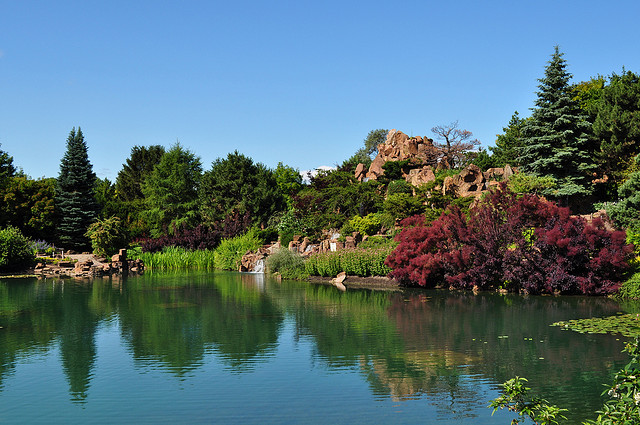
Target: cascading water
259 267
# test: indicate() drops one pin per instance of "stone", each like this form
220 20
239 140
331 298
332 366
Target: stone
508 172
398 147
360 172
350 242
420 176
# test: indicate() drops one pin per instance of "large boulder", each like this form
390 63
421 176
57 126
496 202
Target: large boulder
399 147
420 176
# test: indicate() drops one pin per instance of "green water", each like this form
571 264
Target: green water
241 348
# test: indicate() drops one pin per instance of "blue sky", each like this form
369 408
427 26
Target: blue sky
292 81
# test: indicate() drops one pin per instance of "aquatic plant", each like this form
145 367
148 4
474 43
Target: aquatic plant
178 258
230 251
354 262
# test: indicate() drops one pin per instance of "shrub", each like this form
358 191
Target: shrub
15 249
402 205
230 251
107 236
289 264
518 243
368 225
399 186
378 242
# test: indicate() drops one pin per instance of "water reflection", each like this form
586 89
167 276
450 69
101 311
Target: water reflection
449 348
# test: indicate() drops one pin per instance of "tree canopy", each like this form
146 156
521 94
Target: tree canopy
171 191
236 184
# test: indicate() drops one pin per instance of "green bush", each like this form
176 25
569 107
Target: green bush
378 242
230 251
403 205
289 264
399 186
369 225
15 249
107 236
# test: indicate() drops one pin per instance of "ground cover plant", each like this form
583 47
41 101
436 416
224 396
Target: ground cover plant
517 243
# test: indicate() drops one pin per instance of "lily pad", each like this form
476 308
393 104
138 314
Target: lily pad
624 324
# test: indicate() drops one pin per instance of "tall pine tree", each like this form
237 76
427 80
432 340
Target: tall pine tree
555 139
75 202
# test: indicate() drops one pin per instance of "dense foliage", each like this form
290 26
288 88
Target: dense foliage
236 185
107 236
15 249
171 191
230 251
515 243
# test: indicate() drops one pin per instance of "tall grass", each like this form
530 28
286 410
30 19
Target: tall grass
230 251
177 258
354 262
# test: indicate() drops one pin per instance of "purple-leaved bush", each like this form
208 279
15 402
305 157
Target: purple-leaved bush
518 243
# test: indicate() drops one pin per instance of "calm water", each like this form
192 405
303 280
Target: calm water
241 348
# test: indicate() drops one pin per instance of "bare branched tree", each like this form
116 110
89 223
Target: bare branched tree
455 143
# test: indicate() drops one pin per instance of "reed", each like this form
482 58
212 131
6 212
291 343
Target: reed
177 258
354 262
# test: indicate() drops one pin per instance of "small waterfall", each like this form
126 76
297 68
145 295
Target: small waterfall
259 267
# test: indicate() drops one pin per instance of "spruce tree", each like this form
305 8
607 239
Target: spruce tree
555 139
75 202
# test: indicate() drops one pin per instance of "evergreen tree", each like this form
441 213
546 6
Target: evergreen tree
555 139
508 144
75 199
171 191
616 125
236 184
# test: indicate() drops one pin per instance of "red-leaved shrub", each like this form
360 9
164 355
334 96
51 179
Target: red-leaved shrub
519 243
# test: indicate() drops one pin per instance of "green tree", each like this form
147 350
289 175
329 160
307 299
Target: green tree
171 191
7 170
289 182
30 206
236 184
555 139
75 199
616 125
509 143
138 166
373 139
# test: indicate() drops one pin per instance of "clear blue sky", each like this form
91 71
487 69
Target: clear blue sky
292 81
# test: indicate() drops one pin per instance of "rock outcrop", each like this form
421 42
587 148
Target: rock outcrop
399 147
473 182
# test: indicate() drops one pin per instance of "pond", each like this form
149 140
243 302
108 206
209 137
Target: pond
242 348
